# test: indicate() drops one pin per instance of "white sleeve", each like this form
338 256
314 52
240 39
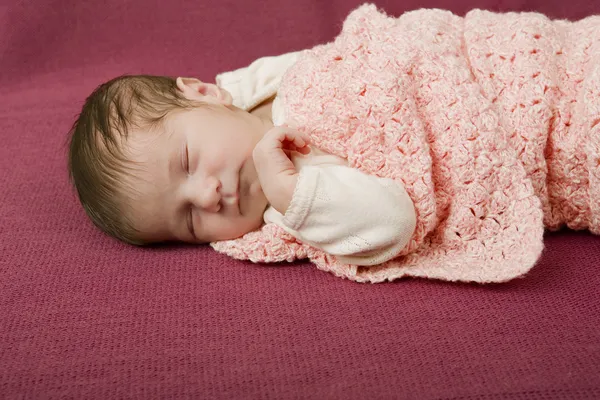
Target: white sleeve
251 85
360 219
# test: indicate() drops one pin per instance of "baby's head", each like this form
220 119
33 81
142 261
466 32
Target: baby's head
158 159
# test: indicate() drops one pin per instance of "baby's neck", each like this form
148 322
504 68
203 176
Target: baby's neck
263 110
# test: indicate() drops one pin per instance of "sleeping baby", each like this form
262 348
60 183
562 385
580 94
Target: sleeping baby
427 145
158 159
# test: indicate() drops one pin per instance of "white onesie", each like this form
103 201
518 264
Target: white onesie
359 218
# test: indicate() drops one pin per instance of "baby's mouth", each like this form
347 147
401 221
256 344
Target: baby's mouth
241 187
233 198
248 185
238 195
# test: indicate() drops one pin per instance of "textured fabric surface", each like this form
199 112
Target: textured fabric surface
82 316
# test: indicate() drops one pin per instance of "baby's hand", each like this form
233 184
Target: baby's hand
276 172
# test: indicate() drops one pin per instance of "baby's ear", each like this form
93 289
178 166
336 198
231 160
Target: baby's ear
195 89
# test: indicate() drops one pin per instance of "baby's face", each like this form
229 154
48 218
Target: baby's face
195 180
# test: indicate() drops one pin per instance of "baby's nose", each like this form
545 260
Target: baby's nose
210 195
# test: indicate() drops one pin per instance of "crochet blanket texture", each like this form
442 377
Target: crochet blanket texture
490 121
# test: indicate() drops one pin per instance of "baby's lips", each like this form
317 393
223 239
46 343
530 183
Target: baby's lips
255 188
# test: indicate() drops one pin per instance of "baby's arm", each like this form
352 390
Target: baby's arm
361 219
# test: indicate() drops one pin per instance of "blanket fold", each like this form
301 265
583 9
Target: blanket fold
490 121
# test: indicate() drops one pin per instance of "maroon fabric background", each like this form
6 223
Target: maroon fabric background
82 316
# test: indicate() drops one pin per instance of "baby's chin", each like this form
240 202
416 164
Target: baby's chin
240 228
253 201
255 213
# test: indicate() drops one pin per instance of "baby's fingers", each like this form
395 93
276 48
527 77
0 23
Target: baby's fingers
296 141
288 137
302 140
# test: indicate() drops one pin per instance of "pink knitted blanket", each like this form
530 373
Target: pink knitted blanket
490 121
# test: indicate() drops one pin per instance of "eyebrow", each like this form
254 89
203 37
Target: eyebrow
189 228
175 161
170 133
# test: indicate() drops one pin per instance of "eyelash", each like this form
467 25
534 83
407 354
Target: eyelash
191 211
191 222
187 160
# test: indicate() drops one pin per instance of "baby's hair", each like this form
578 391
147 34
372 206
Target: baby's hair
97 164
